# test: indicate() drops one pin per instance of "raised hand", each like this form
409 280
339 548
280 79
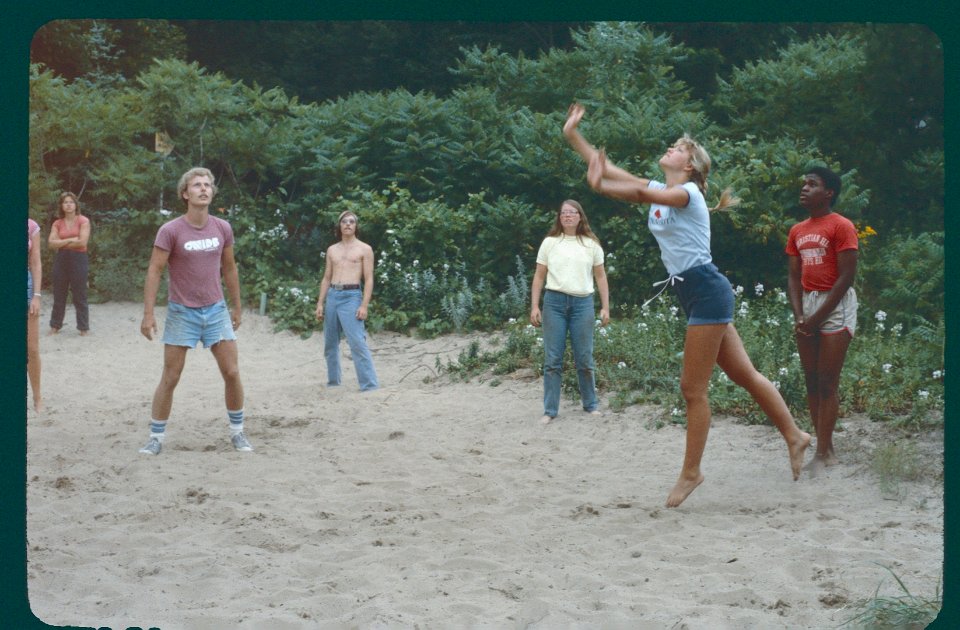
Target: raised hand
574 115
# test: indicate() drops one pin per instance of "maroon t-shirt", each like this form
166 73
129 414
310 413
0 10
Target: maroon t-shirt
194 261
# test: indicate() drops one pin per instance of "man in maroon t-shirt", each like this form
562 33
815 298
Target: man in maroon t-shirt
823 263
197 248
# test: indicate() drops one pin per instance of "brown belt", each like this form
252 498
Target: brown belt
344 287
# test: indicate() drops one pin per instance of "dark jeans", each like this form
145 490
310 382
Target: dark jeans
70 274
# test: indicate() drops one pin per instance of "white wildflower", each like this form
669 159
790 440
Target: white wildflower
897 329
887 367
512 320
937 373
738 290
784 371
758 289
881 316
165 212
924 394
621 365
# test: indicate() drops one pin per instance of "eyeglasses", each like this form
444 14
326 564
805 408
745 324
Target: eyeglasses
348 222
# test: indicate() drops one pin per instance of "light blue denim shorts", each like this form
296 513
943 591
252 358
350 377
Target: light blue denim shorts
185 326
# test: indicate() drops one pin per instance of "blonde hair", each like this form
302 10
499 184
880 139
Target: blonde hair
197 171
700 161
63 196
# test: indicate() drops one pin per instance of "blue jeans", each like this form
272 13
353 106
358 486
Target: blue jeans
564 314
340 316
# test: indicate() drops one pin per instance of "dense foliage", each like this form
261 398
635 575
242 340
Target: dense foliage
455 186
890 373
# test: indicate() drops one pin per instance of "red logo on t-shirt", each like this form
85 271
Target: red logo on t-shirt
656 213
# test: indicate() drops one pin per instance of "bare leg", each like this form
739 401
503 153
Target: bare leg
700 350
225 352
833 352
808 347
174 358
733 360
33 359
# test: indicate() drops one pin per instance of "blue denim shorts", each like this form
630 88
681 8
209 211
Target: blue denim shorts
185 326
705 295
29 288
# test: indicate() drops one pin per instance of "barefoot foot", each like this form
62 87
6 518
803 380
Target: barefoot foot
797 449
682 490
546 419
819 462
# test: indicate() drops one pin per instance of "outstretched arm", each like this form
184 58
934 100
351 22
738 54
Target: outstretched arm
634 191
587 151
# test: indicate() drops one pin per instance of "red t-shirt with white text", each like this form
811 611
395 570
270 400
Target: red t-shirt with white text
817 241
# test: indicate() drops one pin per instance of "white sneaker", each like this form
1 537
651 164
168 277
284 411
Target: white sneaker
152 447
240 442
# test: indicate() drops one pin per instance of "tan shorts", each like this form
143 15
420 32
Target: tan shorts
843 317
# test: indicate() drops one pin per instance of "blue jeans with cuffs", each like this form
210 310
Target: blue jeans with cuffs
565 314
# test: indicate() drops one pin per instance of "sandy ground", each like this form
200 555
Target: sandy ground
431 504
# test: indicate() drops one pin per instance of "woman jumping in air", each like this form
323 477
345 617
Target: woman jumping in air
680 221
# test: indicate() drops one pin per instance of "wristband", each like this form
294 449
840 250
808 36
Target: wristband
37 295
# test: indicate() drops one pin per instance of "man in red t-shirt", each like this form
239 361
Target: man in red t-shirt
823 263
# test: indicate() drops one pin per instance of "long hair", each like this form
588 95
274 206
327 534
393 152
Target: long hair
336 230
65 195
197 171
583 228
700 161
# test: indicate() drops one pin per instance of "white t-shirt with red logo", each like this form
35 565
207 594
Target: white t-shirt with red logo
682 233
194 261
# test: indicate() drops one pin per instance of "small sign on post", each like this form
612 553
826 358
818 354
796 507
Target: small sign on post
162 143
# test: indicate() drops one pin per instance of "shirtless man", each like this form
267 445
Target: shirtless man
348 260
